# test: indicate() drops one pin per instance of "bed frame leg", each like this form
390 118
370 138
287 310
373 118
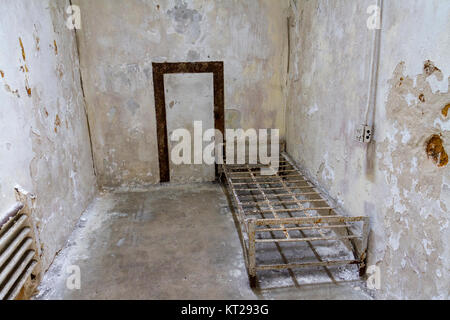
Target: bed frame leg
253 281
362 268
364 241
251 253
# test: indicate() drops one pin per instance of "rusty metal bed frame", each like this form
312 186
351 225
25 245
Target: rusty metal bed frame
272 209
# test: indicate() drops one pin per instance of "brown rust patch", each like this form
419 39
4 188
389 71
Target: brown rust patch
56 47
435 150
57 121
429 68
445 110
422 97
24 69
2 74
23 49
27 87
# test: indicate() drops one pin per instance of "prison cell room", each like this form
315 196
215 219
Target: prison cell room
224 150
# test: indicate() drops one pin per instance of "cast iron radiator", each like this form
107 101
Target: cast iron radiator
17 255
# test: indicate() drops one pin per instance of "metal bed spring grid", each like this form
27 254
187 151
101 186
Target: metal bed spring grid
275 205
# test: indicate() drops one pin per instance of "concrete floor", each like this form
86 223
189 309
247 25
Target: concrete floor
176 242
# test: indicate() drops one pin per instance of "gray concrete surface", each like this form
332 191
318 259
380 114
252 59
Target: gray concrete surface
176 242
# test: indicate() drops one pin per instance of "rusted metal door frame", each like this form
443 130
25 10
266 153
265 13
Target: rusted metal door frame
159 69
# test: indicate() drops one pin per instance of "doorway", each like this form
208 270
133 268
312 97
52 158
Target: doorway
162 115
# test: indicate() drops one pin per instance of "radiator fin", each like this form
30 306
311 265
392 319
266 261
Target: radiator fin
17 256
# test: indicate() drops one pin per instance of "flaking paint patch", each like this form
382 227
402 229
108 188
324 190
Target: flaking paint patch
47 161
415 186
404 180
186 20
14 92
429 68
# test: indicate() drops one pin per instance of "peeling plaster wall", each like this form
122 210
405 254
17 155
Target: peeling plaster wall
393 179
119 40
44 141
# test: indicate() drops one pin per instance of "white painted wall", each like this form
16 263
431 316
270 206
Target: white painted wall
44 141
392 180
120 39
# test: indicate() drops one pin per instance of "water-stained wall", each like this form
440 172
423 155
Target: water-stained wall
118 42
44 140
402 178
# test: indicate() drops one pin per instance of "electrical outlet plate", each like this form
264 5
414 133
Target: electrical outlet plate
363 133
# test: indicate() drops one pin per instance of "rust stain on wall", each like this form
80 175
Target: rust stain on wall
23 49
24 68
429 68
27 87
57 121
56 47
445 110
37 40
436 151
422 97
2 74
